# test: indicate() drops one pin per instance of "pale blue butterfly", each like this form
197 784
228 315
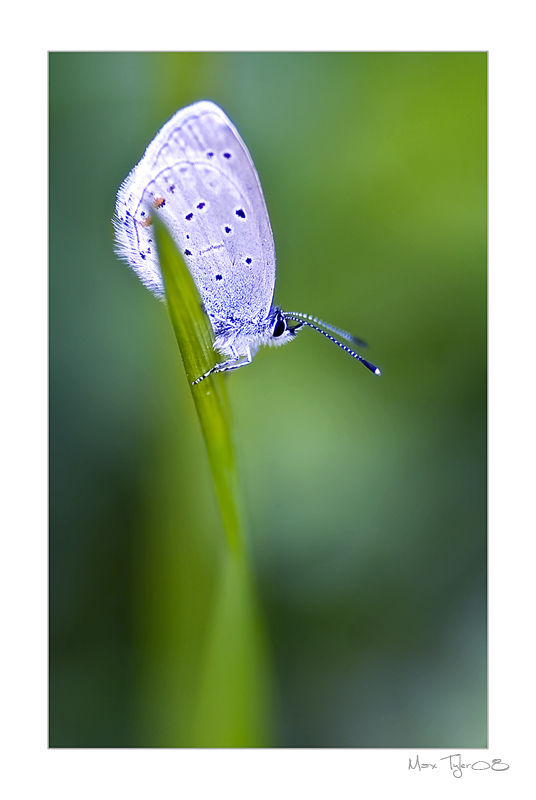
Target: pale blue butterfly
198 176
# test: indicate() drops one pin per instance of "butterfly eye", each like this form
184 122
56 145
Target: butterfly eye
279 327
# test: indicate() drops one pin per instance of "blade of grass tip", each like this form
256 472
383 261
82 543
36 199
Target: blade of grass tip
233 693
194 336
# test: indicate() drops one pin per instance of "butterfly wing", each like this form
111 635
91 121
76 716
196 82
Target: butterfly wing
197 174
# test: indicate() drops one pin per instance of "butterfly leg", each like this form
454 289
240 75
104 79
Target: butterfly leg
225 366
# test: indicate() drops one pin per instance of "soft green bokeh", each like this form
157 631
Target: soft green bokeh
366 497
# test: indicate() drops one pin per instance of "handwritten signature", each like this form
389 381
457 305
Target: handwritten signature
456 766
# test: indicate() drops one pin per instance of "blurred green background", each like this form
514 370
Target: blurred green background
365 497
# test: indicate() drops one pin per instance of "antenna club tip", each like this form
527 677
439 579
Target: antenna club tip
377 371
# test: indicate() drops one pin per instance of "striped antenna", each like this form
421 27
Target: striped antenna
343 334
304 319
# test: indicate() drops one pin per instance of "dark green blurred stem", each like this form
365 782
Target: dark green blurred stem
232 708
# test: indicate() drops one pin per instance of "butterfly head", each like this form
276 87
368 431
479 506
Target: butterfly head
281 331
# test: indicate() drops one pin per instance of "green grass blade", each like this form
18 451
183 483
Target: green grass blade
232 694
194 336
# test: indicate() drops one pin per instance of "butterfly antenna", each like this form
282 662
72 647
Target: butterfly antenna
343 334
304 319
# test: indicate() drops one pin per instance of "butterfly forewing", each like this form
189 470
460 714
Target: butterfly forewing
198 175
